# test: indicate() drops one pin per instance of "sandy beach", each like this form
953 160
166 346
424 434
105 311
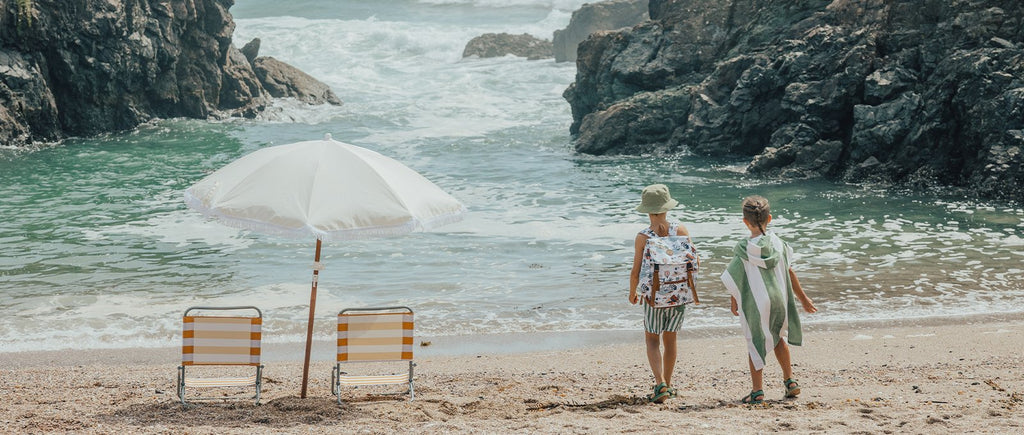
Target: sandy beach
951 376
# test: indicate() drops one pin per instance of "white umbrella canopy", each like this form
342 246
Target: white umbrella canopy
322 189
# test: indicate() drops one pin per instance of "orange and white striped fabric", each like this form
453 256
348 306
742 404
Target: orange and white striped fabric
212 340
375 337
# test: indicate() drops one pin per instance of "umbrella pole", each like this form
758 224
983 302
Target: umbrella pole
309 325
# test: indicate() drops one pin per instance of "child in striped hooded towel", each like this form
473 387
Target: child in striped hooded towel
764 291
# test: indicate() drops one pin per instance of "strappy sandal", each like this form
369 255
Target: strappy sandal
660 394
672 393
754 398
792 388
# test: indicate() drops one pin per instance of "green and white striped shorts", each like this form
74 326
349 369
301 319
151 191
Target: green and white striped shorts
667 319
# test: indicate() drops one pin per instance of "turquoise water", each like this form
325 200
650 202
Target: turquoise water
99 249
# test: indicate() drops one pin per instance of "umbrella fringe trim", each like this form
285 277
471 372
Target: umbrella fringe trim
350 234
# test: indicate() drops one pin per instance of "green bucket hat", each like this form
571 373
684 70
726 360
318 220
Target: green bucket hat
655 199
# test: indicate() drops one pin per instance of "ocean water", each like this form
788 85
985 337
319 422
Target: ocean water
97 248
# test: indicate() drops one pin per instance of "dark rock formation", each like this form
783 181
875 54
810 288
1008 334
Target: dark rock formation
922 93
82 67
592 17
501 44
251 50
283 80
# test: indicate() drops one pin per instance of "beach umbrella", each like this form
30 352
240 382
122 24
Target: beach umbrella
322 190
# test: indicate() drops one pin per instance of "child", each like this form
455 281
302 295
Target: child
663 315
763 290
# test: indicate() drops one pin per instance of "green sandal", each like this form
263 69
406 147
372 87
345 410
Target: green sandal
671 393
792 388
754 398
661 392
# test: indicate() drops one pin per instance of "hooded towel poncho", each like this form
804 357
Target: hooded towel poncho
758 277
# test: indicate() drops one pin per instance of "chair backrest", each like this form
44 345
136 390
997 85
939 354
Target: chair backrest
375 334
221 340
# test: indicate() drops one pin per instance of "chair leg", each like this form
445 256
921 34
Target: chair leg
411 391
181 385
259 382
336 382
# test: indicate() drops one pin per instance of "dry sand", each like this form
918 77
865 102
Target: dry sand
950 376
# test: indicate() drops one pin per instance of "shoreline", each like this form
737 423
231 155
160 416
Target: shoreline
466 345
957 376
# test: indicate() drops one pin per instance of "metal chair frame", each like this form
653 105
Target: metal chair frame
337 374
220 382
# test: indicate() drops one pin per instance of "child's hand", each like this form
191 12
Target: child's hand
735 308
633 298
808 305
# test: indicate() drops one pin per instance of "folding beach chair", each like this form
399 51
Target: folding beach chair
380 334
220 341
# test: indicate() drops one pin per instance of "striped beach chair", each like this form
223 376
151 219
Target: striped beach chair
381 334
209 340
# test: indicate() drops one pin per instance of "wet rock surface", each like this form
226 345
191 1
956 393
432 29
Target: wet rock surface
501 44
593 17
919 93
84 67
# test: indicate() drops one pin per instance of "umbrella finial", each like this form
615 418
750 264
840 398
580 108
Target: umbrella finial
327 136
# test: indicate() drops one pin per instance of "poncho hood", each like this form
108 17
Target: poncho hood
760 251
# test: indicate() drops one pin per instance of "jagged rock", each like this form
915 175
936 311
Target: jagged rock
642 124
592 17
252 50
884 84
877 130
29 107
241 86
929 93
1002 164
795 151
501 44
84 67
283 81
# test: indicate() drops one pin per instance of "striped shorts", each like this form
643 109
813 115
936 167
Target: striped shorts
668 319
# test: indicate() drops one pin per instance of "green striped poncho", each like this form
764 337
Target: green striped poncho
758 277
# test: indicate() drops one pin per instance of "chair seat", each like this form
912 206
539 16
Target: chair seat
374 380
221 382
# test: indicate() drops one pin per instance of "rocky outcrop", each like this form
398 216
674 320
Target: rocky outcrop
593 17
920 93
283 81
501 44
251 50
83 67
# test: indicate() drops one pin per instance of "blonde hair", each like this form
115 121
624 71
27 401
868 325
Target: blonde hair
756 210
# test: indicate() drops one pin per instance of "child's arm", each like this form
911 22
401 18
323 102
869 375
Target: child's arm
634 274
799 292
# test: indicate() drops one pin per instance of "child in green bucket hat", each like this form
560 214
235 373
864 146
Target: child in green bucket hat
661 321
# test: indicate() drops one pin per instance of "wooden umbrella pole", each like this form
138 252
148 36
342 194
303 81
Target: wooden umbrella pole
309 325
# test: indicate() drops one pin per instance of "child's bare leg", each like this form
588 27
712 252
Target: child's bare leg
782 355
756 376
654 356
669 357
